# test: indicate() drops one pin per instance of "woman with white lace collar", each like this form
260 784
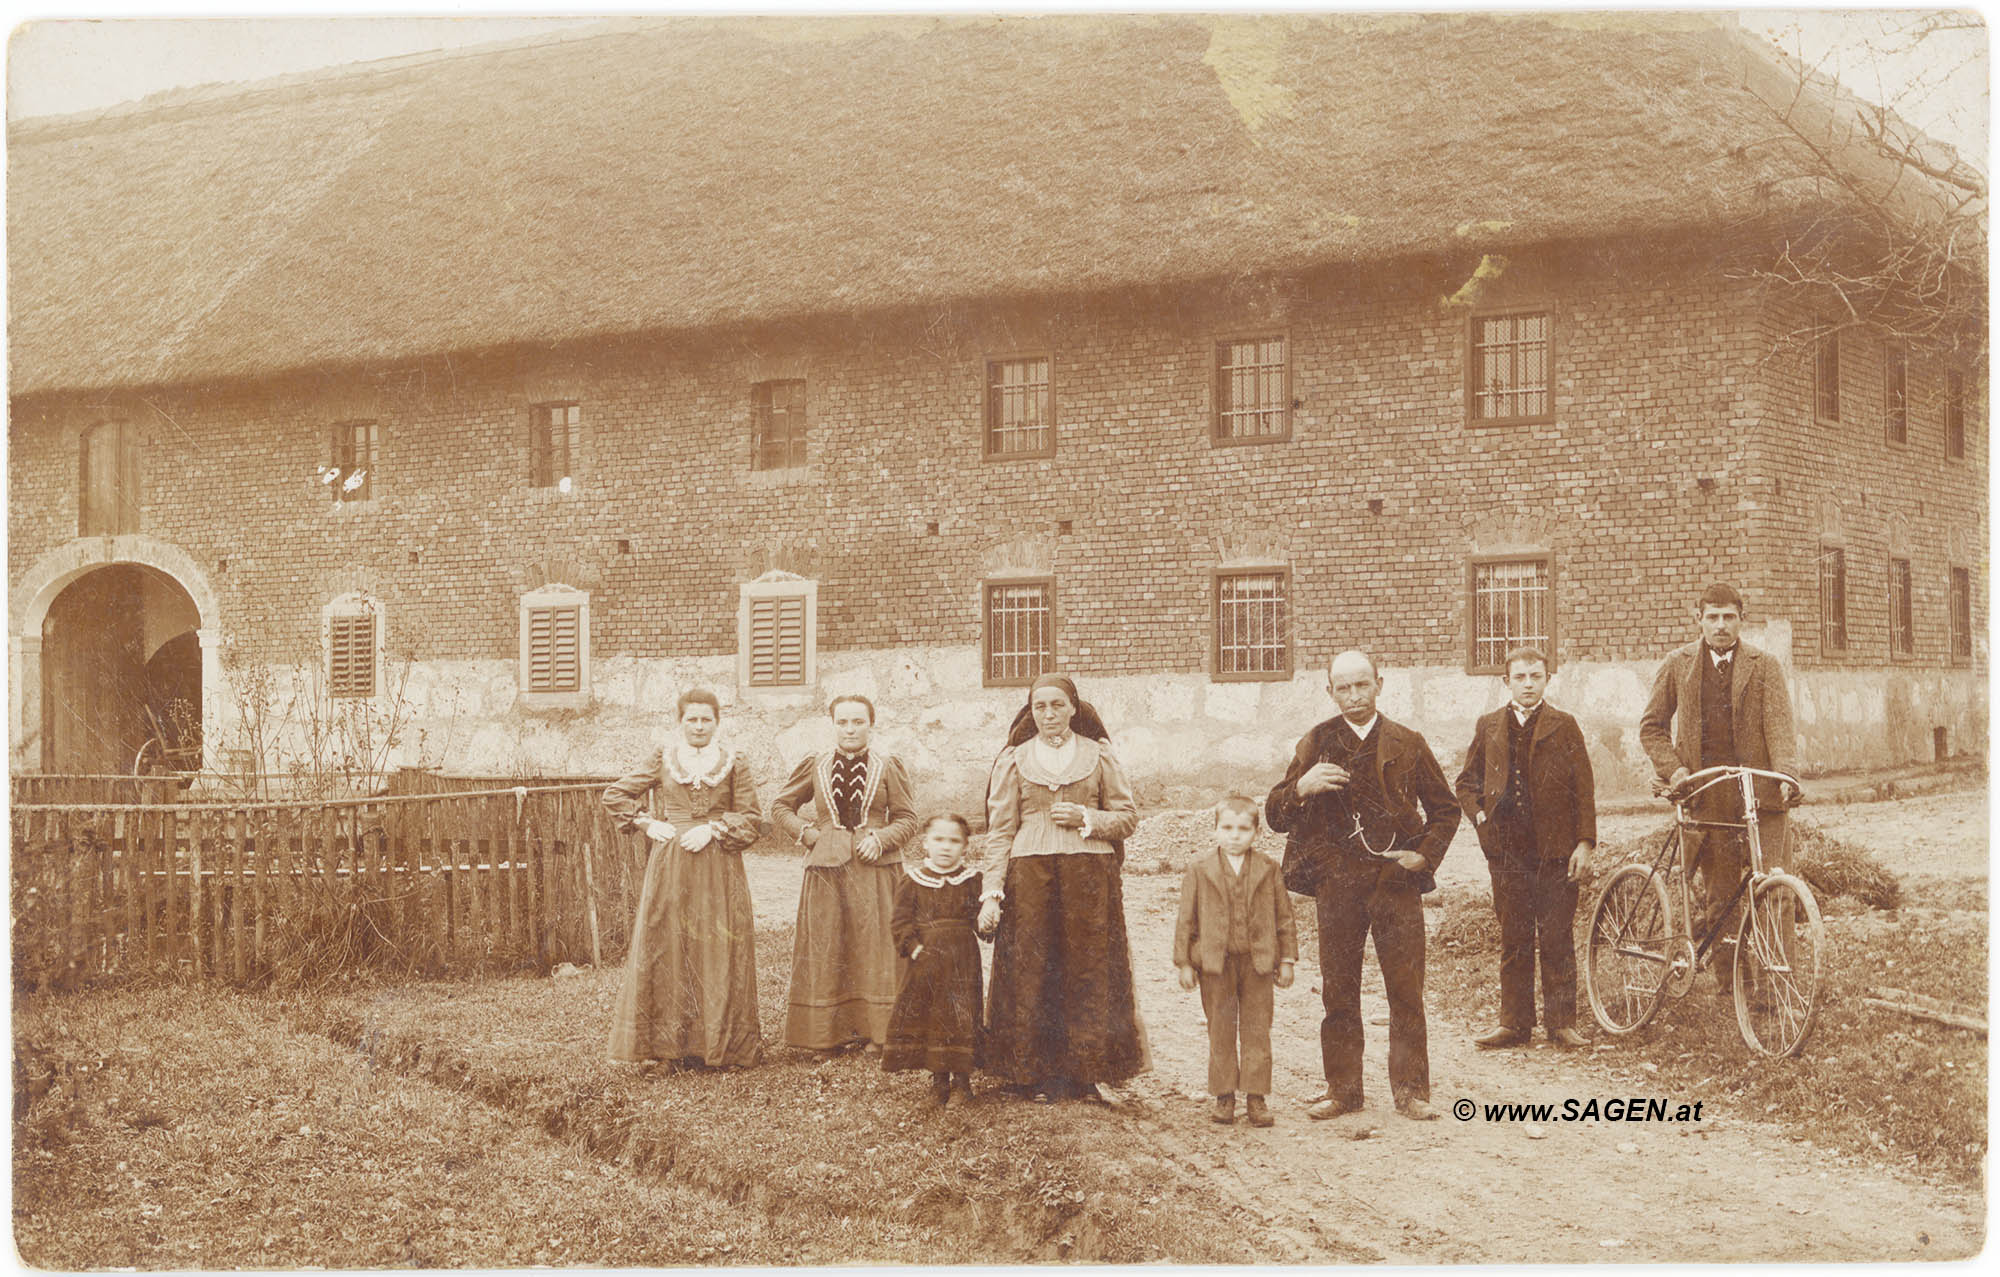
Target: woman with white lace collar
1061 1016
690 990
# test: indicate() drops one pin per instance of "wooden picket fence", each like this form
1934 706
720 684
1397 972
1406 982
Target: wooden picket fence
38 788
240 892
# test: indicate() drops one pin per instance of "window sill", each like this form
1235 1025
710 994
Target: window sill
1503 423
1003 457
551 493
1246 441
1261 676
779 478
555 700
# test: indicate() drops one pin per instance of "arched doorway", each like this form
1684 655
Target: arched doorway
121 665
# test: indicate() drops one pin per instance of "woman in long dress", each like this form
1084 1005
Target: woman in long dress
690 991
1061 1016
845 970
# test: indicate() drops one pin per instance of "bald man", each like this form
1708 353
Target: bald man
1366 802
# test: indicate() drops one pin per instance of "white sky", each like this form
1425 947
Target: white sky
57 66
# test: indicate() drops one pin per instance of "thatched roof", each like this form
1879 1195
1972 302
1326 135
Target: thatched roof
685 173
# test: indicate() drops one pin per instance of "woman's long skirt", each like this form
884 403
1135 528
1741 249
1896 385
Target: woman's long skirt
690 986
845 971
1060 1003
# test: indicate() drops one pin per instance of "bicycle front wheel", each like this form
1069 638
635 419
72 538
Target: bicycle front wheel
1780 946
1630 957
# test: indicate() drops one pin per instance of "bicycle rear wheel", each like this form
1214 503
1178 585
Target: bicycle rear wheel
1780 946
1630 953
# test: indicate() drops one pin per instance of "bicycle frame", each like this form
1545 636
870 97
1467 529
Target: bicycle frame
1745 778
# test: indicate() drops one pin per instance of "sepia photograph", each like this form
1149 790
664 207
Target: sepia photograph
998 638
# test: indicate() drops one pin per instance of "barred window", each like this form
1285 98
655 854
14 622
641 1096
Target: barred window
108 480
1954 416
1826 374
1902 631
1253 637
1020 411
777 425
1511 606
1509 368
1832 599
1896 393
553 430
1961 614
1020 631
356 445
350 659
778 638
1253 396
554 657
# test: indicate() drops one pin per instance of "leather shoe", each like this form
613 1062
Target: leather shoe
1322 1109
1502 1036
1566 1036
1416 1110
1255 1111
1225 1110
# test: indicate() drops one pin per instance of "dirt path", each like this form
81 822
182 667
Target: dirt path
1727 1188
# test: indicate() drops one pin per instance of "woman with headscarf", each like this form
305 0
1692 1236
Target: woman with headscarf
690 991
1060 1011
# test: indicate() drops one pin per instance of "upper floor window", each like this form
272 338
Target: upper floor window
1832 599
1508 369
1020 408
1902 621
776 631
1826 374
1961 614
1511 606
1020 630
1253 390
108 480
1896 393
1954 416
356 449
553 444
777 424
1253 635
353 630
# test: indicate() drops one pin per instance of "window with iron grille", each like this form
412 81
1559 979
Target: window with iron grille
1253 390
1896 393
1508 368
1826 375
1020 408
777 425
1832 599
553 443
350 667
1954 416
108 480
1253 635
1512 605
1902 617
1020 631
555 657
778 639
356 445
1961 614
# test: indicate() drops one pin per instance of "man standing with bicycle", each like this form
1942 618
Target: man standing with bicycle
1721 702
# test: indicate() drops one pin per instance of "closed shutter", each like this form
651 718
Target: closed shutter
351 655
778 641
553 656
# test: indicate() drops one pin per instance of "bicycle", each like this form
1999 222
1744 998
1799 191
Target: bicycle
1641 951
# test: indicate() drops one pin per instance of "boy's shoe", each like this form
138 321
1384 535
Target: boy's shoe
941 1088
1225 1110
961 1093
1254 1110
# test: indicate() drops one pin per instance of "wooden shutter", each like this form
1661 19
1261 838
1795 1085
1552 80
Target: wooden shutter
778 641
351 655
554 663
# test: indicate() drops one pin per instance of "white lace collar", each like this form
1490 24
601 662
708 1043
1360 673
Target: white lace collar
696 768
921 872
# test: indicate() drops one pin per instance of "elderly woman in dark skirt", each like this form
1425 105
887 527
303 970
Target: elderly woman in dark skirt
1060 1012
690 991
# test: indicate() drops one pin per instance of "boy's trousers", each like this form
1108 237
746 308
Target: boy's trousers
1237 998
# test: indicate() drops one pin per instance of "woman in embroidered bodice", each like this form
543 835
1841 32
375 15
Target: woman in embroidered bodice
845 971
1060 1013
690 991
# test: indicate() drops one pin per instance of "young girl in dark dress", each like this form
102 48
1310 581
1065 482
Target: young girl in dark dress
935 1024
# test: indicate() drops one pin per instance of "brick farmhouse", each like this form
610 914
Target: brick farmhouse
489 400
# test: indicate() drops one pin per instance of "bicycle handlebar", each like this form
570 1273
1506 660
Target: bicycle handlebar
1708 777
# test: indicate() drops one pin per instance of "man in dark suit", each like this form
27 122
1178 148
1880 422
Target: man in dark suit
1719 701
1527 788
1366 801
